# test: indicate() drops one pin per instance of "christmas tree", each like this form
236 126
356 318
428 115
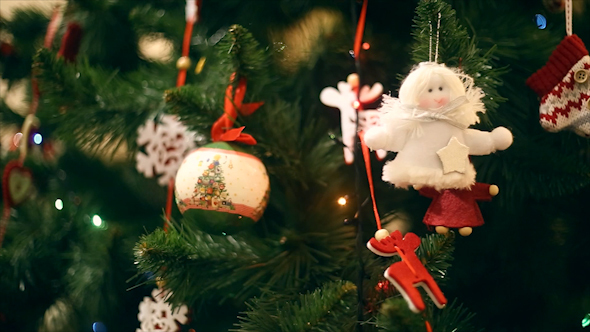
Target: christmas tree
210 189
267 228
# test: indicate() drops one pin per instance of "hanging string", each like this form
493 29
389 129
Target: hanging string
360 242
360 30
427 323
169 199
430 43
568 17
191 16
367 158
437 38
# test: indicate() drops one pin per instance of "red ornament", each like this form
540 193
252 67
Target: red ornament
17 183
233 104
383 286
562 84
409 273
456 208
70 43
6 49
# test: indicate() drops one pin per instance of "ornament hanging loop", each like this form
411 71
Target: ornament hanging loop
437 40
568 17
430 43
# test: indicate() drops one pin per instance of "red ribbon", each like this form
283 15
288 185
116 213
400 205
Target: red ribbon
186 43
6 198
52 27
367 159
360 29
70 43
233 104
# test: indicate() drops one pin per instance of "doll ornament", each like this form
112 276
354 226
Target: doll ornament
428 128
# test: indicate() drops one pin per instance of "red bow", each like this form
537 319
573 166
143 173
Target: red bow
222 128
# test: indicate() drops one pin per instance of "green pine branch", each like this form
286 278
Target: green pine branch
51 256
239 266
331 308
395 316
54 259
219 265
238 51
453 317
536 169
93 107
200 103
436 253
27 27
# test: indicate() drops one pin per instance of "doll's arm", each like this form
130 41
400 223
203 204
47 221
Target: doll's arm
376 138
481 142
384 138
484 191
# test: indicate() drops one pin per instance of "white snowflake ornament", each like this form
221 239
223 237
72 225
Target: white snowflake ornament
165 142
155 315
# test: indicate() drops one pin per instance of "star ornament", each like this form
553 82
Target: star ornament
454 156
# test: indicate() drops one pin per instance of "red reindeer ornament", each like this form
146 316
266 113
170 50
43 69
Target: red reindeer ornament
409 273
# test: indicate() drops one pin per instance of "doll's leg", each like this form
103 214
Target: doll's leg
465 231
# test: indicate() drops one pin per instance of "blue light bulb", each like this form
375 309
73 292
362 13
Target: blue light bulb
37 138
99 327
541 21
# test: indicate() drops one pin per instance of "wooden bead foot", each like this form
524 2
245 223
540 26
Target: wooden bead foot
465 231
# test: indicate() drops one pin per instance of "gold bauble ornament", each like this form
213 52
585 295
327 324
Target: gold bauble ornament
183 63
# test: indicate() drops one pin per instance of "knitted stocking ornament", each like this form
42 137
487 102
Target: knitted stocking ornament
564 87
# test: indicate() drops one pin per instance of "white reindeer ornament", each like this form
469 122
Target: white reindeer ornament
344 99
428 127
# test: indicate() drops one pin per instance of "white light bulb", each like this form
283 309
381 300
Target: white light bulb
59 204
96 220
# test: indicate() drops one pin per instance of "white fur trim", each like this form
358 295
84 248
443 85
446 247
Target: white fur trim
403 175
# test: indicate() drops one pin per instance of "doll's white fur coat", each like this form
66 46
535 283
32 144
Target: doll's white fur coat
435 104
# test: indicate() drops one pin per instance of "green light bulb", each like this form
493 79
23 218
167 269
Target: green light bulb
586 320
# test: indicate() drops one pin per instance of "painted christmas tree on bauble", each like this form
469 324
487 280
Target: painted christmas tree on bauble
221 189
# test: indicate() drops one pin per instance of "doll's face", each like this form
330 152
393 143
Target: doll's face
436 94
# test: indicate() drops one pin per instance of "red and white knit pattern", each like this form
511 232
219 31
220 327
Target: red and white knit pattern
566 106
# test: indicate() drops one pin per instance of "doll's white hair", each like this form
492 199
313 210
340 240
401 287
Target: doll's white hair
459 83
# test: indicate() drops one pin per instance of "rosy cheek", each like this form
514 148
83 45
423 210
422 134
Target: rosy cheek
425 102
443 101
